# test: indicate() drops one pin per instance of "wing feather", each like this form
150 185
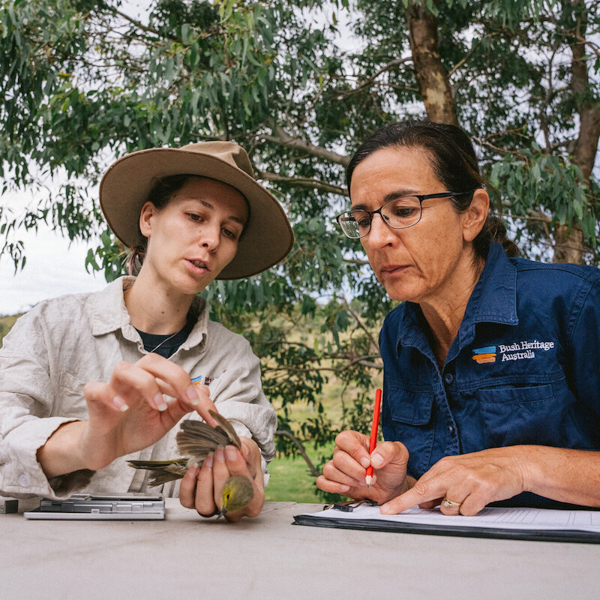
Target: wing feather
162 471
195 439
228 428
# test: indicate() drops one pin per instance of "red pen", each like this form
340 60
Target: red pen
374 429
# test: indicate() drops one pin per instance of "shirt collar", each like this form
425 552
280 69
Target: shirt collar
493 300
110 314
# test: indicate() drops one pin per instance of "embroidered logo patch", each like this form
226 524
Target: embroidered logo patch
517 351
485 355
198 380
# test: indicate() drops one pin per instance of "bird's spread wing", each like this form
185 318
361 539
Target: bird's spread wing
228 428
196 440
162 471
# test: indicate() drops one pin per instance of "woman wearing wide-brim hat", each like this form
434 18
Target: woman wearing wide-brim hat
90 381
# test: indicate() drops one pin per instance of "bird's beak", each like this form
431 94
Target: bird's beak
222 513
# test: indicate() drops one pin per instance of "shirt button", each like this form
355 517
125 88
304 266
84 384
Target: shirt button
451 429
448 378
24 480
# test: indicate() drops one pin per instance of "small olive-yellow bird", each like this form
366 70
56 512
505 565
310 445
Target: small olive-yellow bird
196 440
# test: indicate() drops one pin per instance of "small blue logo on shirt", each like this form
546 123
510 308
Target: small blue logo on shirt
485 355
198 380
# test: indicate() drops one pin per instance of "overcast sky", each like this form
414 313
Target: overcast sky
54 267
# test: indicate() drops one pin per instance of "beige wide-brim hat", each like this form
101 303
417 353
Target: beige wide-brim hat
124 189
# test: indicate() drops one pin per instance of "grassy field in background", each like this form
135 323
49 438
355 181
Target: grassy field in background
290 477
5 324
291 480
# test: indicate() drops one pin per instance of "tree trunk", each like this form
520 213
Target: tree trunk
570 248
584 154
432 76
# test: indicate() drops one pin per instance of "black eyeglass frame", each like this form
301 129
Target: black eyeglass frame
420 197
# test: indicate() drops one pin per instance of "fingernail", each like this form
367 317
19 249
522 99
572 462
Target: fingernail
344 487
120 403
208 461
376 460
365 462
160 403
192 395
386 510
231 452
192 472
219 454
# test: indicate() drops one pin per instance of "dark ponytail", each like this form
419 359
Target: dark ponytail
493 230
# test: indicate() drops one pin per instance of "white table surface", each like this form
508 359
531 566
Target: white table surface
186 557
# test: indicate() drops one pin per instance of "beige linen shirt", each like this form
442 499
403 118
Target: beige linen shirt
61 344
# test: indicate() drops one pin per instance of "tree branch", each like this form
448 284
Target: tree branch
362 326
313 470
284 139
370 365
361 360
371 81
138 24
465 58
497 149
304 182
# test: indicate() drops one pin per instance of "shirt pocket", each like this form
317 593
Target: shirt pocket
71 401
412 424
527 414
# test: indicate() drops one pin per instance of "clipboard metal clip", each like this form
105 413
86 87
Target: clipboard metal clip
350 505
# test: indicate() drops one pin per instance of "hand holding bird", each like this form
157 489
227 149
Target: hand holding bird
198 441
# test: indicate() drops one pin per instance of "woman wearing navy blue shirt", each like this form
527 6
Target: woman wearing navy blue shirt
491 374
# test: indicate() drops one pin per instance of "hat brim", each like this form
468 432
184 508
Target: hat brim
125 187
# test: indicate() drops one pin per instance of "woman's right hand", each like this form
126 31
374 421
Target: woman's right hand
346 473
126 415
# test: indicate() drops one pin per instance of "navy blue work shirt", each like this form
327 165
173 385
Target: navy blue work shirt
524 367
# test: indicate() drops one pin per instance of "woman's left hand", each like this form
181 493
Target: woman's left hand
468 482
201 488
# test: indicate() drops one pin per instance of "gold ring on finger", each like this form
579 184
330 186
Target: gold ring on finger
450 504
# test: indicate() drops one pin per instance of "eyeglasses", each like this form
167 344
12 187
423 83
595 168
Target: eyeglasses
398 214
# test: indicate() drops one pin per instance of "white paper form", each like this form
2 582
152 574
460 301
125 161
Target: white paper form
534 519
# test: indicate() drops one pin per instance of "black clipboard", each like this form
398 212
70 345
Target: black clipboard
550 535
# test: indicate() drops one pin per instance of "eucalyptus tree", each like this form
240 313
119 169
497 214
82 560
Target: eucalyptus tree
300 85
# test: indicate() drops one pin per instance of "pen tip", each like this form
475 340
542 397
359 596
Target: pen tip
368 479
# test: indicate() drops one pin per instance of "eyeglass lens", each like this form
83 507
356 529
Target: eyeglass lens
399 213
